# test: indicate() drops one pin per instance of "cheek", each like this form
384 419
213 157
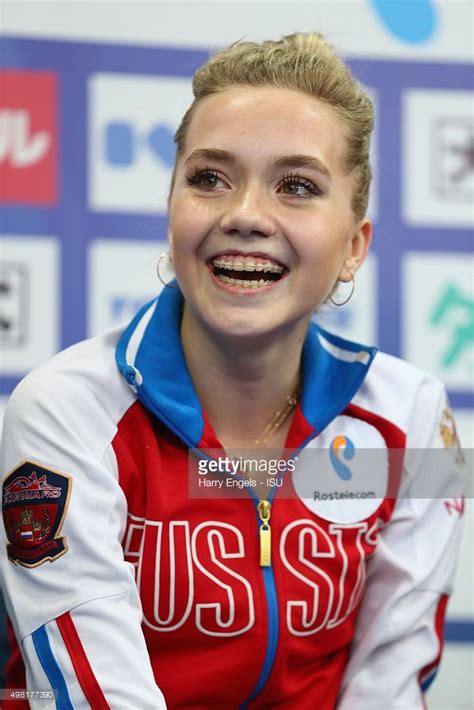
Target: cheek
316 249
187 226
320 255
184 236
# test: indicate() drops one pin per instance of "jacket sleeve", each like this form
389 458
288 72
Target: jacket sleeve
69 593
399 634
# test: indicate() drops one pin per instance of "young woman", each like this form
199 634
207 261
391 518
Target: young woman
128 585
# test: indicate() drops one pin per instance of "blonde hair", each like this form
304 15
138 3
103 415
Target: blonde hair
303 62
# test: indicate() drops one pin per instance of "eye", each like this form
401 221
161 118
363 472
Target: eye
208 179
295 185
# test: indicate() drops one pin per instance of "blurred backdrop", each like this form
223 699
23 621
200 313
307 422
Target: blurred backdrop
90 96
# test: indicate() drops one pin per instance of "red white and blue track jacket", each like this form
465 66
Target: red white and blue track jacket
124 591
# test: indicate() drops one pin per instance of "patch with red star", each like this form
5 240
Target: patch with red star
35 501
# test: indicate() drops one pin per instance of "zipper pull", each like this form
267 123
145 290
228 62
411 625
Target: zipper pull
264 512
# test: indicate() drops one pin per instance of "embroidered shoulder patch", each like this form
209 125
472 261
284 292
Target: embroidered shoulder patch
35 502
448 433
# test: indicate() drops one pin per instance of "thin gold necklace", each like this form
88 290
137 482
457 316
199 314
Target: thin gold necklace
280 416
265 506
278 419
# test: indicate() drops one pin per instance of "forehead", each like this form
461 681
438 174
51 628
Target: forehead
267 120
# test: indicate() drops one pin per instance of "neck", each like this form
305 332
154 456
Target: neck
241 382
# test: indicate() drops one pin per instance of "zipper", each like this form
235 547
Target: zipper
265 533
264 513
263 507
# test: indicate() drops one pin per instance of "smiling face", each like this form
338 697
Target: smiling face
260 220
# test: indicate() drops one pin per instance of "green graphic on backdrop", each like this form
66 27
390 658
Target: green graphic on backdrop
455 311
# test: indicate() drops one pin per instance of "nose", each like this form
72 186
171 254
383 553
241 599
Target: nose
247 213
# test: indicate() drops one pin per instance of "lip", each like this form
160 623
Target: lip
248 292
255 254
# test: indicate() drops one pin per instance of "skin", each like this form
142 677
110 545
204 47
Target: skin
248 343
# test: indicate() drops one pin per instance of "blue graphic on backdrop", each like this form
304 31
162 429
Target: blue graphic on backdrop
124 307
413 21
343 317
122 141
462 331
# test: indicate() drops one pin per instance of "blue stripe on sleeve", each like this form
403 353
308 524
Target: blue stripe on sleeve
51 668
426 682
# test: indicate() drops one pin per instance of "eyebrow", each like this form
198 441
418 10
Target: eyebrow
303 161
285 161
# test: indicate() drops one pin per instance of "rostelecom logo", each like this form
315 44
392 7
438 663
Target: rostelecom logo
341 447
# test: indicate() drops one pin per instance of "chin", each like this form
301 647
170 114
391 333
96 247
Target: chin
251 328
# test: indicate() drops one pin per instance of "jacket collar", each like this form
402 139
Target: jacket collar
150 356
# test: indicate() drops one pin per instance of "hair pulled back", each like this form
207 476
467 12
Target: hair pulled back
303 62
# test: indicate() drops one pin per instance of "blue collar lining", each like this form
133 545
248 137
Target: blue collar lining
155 368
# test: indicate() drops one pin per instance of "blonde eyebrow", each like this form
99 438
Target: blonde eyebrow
211 154
285 161
303 161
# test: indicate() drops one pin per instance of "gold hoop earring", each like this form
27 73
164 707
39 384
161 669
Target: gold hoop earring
342 303
162 256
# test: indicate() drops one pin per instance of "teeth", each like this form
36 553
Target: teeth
249 265
243 283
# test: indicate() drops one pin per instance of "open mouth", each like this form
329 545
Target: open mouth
246 271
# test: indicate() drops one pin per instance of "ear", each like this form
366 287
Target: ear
170 238
357 249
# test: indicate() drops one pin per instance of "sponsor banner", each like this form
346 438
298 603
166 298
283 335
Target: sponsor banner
438 307
357 319
132 122
28 137
434 30
29 302
122 277
438 162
